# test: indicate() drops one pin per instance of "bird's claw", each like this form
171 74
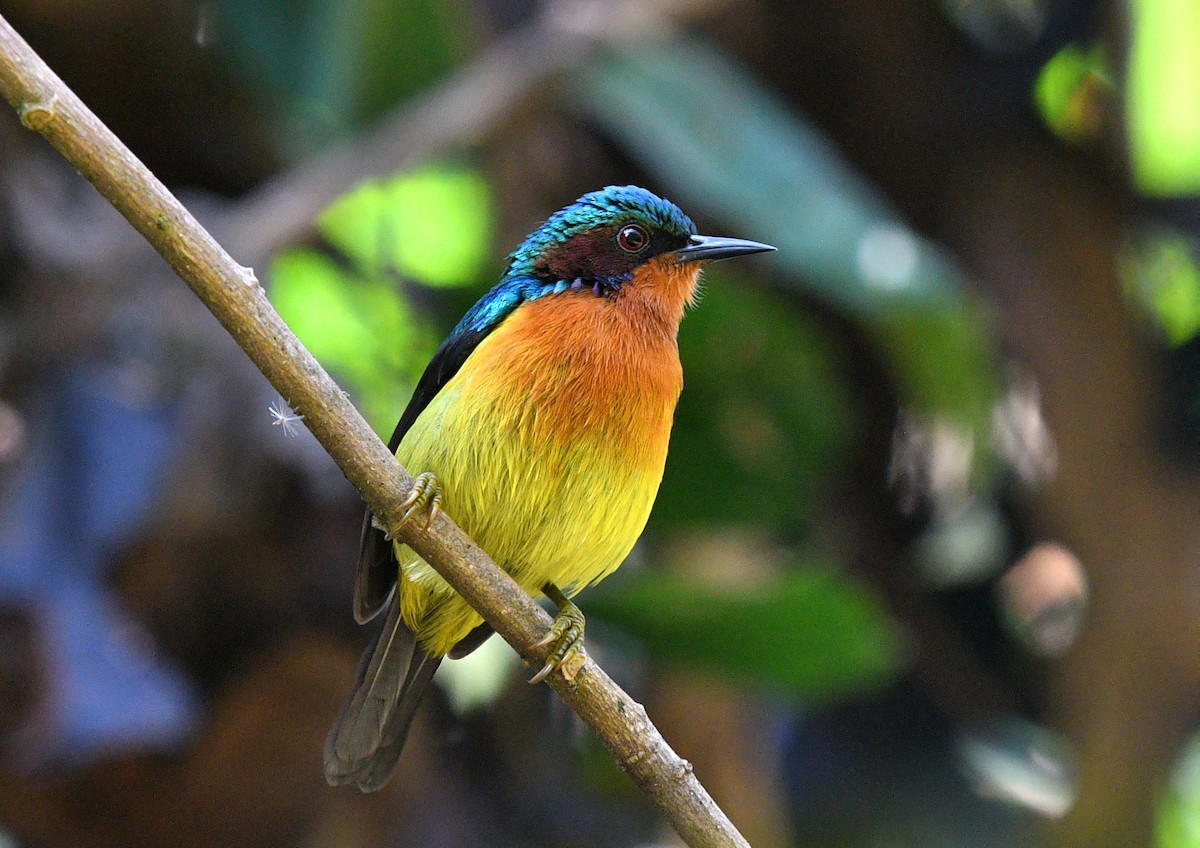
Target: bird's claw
425 496
566 635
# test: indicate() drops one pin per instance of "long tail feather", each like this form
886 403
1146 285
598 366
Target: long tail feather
366 740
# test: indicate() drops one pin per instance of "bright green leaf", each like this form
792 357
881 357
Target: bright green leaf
361 329
315 297
432 224
1163 110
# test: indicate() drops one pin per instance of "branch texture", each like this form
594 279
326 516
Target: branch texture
233 294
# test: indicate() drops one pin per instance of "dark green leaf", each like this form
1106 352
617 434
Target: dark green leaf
762 418
807 634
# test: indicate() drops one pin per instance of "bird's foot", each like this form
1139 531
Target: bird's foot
565 634
425 496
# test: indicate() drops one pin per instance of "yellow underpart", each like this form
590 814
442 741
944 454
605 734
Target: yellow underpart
550 444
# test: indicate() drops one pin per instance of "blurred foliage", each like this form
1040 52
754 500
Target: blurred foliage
1067 91
807 633
1161 276
1178 821
1163 81
361 329
763 167
338 65
763 413
433 225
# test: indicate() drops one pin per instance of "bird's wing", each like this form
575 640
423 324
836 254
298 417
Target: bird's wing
376 559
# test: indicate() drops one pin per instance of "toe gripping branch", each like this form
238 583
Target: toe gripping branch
424 497
565 635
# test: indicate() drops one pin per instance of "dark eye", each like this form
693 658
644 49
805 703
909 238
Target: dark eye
633 238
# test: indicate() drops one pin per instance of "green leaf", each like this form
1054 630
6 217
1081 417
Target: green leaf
1161 276
1066 91
763 411
1161 110
314 296
808 634
1177 824
432 224
943 360
361 329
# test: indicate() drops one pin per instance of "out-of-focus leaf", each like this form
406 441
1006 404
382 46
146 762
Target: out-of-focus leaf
1162 113
362 329
1178 820
941 358
336 65
1067 91
808 634
1161 276
703 124
432 224
762 415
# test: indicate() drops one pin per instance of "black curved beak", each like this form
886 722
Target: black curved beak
712 248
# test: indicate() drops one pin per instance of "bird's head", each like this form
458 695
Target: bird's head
623 237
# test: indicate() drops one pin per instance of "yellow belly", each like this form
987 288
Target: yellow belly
550 445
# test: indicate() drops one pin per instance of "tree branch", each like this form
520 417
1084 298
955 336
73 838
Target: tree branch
233 294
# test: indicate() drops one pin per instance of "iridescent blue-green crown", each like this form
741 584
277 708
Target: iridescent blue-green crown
604 207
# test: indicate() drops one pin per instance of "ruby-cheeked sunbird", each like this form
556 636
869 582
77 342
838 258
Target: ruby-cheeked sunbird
541 426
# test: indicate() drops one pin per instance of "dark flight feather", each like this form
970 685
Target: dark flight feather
369 733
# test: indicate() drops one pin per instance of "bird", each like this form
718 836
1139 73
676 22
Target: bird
541 427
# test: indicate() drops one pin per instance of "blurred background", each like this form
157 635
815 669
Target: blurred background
925 567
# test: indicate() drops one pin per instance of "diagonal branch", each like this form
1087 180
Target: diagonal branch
233 294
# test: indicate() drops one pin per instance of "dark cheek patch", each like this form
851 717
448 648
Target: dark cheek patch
589 255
